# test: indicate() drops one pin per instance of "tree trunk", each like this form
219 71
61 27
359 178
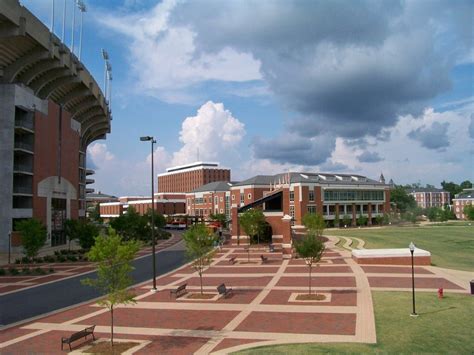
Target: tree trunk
200 277
310 267
112 326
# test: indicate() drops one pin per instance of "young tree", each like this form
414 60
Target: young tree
200 247
71 230
402 199
362 220
33 236
311 249
346 220
253 223
86 233
314 223
94 214
219 217
469 212
131 225
114 263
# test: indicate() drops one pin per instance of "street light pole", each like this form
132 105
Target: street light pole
82 8
412 250
153 141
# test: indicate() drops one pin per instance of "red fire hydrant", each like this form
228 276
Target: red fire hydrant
440 293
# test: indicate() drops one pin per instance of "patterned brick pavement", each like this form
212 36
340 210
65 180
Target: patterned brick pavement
261 310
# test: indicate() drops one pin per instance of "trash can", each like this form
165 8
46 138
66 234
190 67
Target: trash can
472 287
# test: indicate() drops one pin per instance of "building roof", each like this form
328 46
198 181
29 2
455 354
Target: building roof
425 189
214 186
466 194
100 196
192 165
322 178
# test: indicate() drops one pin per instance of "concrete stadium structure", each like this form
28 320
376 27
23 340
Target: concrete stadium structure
51 109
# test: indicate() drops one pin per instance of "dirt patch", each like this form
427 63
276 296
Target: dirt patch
198 296
105 348
311 297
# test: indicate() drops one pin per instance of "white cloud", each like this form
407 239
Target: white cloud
166 60
99 153
213 131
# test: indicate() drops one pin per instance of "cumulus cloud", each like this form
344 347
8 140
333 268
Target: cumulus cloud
369 157
99 154
433 137
213 133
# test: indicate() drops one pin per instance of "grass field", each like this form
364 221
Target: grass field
443 327
451 246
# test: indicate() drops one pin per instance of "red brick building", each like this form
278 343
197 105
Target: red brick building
286 198
466 197
51 110
212 198
188 177
430 197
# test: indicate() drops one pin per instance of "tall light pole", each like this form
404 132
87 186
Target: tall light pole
52 17
153 141
109 78
82 8
412 250
64 22
73 24
105 56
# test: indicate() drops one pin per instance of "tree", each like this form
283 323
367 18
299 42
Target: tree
454 188
114 263
311 249
158 219
71 230
94 214
253 223
362 220
346 220
469 212
33 236
87 232
379 220
219 217
314 223
337 221
466 185
402 199
200 247
132 225
433 213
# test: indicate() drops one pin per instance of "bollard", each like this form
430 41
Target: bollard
440 293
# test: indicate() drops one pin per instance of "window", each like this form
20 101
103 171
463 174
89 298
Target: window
249 196
311 195
292 211
242 199
216 200
292 196
222 199
233 197
221 211
311 209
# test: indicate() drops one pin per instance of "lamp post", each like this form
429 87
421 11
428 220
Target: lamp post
412 250
153 141
82 8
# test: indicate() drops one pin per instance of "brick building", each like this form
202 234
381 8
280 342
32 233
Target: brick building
466 197
286 198
188 177
430 197
165 204
212 198
51 109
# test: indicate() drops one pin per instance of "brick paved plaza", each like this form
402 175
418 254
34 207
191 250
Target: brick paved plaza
261 311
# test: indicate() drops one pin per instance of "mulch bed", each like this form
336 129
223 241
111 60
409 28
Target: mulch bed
198 296
312 297
106 348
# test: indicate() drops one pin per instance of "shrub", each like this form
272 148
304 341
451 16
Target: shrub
39 271
26 271
13 271
71 258
33 236
17 261
49 259
25 260
2 272
51 270
61 259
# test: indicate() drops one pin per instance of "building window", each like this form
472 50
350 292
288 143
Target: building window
292 196
222 199
242 198
311 209
221 211
216 200
292 211
311 195
249 196
233 197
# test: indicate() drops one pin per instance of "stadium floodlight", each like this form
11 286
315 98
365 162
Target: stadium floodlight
82 8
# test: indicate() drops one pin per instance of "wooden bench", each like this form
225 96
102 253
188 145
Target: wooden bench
232 260
179 291
78 335
223 290
264 259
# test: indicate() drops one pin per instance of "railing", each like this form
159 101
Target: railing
24 145
25 123
23 167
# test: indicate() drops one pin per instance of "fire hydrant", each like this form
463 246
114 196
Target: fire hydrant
440 293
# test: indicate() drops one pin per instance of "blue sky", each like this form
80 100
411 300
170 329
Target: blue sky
271 86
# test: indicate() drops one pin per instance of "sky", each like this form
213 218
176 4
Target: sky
265 87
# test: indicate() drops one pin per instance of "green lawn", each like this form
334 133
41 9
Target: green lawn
451 246
443 327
